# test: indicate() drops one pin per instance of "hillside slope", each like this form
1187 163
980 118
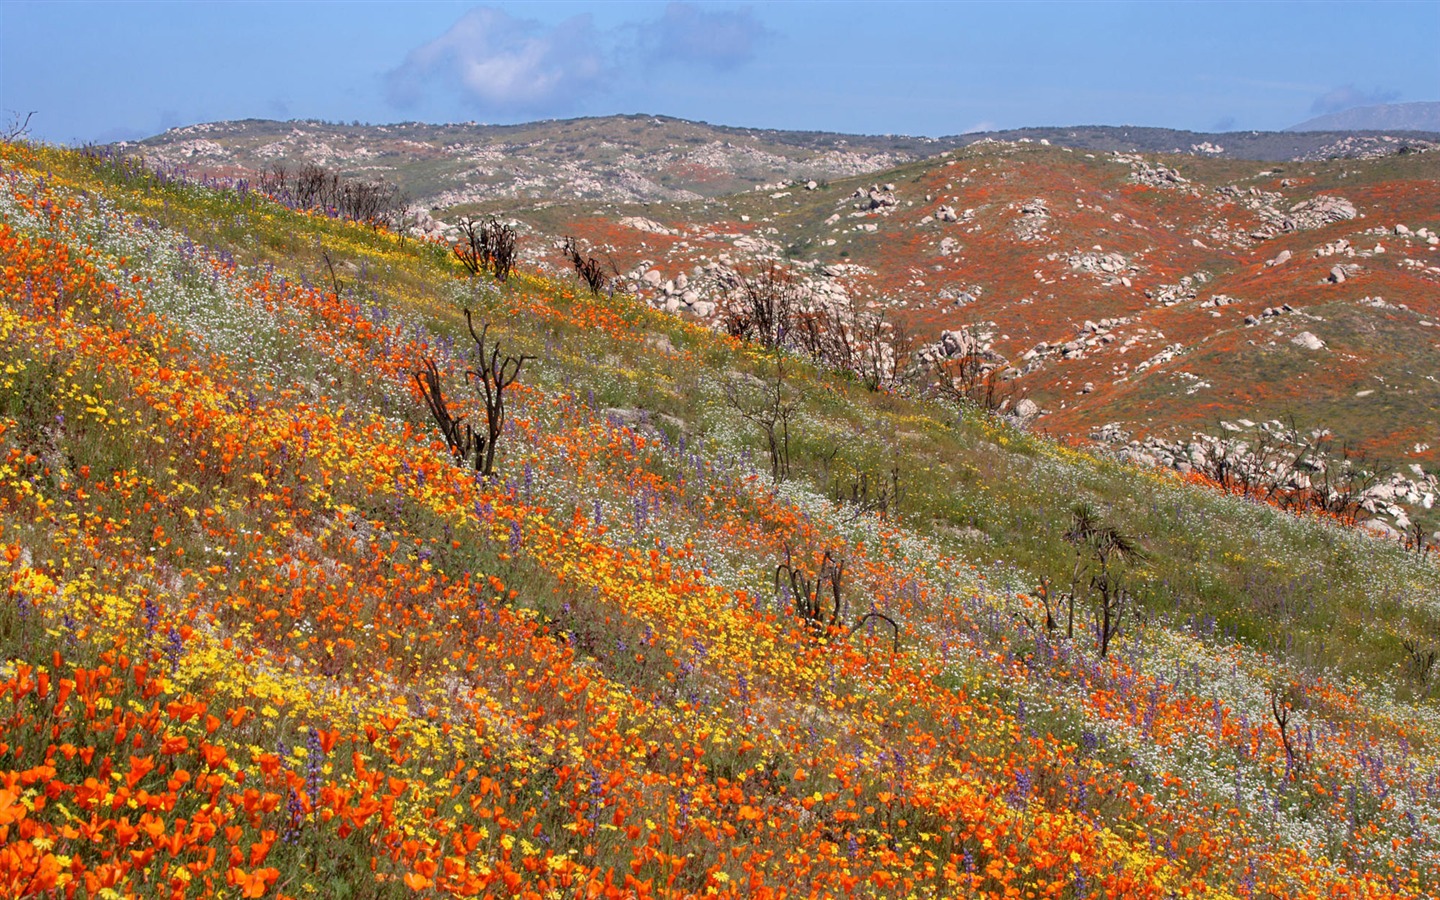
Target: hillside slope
1381 117
1157 296
262 636
612 158
640 158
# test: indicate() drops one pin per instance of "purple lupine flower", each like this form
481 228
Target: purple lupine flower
174 649
1020 793
313 763
597 795
152 616
295 817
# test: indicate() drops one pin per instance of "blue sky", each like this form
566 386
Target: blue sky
116 69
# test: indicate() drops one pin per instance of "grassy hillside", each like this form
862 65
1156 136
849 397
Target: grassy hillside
1178 265
263 637
1174 249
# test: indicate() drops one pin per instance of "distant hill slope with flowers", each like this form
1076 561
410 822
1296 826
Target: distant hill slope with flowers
263 636
1136 283
1146 296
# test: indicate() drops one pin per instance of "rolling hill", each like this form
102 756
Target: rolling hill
1129 295
267 634
642 158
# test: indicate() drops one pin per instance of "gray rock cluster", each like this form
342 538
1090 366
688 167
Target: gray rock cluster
1219 301
1308 214
1269 312
708 290
1369 146
1180 292
649 226
1142 171
1338 274
956 343
875 197
1422 233
1273 454
426 227
947 213
679 293
1034 220
1089 336
1165 355
1112 268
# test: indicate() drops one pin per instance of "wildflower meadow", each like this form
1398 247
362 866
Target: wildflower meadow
261 636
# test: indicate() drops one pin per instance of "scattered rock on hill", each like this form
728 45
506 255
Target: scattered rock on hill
1381 529
1185 289
876 197
1308 340
1388 500
426 226
1317 212
650 226
1151 174
1034 219
1323 210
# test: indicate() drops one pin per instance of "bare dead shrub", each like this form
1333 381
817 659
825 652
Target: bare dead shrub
1096 576
487 246
17 127
761 306
867 494
771 412
590 269
491 377
817 597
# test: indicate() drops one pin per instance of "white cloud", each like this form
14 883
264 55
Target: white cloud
503 64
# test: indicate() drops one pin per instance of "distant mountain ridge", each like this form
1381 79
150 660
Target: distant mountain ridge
1423 116
642 158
